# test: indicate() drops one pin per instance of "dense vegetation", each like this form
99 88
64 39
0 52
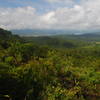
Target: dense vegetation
48 68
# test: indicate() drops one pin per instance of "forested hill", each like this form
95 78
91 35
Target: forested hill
30 71
7 35
7 38
4 34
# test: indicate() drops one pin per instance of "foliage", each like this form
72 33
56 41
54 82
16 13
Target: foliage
30 71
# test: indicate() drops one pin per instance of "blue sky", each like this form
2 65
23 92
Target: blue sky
41 5
20 3
17 3
82 15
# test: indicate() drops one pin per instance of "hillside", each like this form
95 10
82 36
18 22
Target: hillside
7 38
4 34
41 68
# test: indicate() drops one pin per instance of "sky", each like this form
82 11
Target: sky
82 15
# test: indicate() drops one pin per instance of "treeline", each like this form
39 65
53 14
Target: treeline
32 71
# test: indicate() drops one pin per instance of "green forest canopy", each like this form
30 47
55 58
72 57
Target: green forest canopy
52 69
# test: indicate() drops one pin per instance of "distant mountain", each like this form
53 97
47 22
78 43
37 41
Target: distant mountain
83 37
90 34
48 32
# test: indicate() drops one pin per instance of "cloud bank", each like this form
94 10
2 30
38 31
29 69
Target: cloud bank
83 16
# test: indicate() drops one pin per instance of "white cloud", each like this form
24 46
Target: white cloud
49 18
83 16
17 17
